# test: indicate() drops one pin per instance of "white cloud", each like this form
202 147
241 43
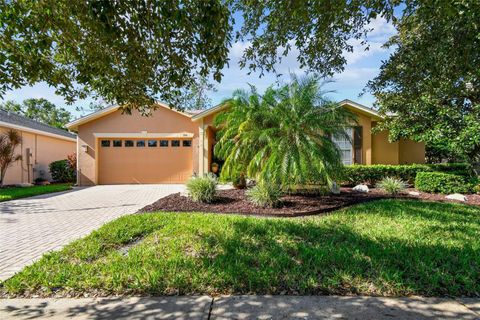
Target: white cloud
381 32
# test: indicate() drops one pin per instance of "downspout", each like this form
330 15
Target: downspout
78 170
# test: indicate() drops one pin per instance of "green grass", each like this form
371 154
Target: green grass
387 247
11 193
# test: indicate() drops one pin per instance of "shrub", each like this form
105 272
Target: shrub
476 189
372 174
439 182
265 194
392 185
202 189
61 171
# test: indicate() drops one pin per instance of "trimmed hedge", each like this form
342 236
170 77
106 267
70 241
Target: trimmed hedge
372 174
61 171
440 182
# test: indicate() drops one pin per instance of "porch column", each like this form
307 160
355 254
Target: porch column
201 149
367 142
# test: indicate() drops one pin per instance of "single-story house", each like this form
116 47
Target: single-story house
170 146
41 145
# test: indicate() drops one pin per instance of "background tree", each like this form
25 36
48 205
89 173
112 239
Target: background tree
283 136
92 107
40 110
9 141
429 89
196 96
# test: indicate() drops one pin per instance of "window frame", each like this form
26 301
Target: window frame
137 142
129 140
160 143
152 146
105 146
189 141
117 140
172 143
345 146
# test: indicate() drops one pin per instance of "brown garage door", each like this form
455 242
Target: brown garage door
124 161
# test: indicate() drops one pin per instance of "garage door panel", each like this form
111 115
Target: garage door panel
121 165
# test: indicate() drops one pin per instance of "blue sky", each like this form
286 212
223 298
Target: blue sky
362 66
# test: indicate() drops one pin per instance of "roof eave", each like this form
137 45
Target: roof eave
36 131
362 108
208 112
98 114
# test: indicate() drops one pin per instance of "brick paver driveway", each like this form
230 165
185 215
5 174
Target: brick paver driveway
30 227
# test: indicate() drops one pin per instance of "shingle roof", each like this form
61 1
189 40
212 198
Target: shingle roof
16 119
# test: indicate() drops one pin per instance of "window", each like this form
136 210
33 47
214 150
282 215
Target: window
128 143
140 143
117 143
105 143
187 143
163 143
152 143
345 146
175 143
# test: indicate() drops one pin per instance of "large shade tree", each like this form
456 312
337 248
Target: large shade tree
133 52
429 89
283 136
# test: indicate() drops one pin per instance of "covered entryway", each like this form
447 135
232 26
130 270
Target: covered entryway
150 160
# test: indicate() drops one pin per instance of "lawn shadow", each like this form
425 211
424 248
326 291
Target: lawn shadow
278 257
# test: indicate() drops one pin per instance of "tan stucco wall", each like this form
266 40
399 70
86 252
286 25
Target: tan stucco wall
162 120
411 152
384 152
44 150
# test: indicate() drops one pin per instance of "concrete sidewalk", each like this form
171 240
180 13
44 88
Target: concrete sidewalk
241 307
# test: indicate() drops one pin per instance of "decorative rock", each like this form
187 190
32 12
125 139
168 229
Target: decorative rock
335 189
23 185
361 188
456 196
414 193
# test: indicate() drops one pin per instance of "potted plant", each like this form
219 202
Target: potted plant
215 167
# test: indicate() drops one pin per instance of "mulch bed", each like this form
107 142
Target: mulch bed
235 201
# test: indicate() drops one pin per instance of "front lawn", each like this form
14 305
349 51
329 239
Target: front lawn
11 193
387 247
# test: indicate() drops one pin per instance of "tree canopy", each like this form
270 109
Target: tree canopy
128 52
40 110
132 52
429 89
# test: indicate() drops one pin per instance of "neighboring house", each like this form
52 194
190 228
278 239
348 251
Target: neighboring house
41 145
170 146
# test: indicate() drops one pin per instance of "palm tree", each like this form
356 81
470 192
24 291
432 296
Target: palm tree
284 136
9 140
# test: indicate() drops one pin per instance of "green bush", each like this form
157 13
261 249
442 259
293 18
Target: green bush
476 189
392 185
440 182
202 189
265 194
372 174
61 171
